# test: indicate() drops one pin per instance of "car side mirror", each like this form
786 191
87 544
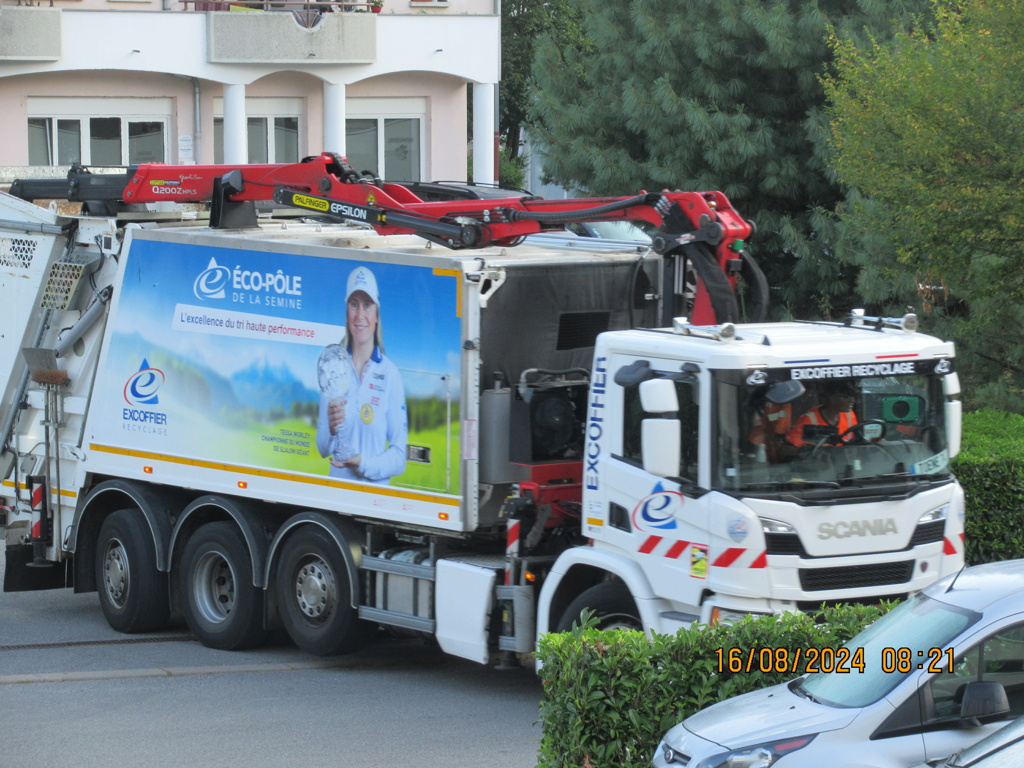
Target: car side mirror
983 701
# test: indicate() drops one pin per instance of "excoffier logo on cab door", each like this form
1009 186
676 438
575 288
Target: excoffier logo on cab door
657 511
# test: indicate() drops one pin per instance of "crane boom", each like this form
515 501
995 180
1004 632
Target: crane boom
701 229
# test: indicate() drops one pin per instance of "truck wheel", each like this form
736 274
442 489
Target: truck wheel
313 594
611 603
133 594
222 607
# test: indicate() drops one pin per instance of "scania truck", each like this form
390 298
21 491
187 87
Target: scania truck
375 411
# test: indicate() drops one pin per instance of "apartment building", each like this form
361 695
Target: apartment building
121 82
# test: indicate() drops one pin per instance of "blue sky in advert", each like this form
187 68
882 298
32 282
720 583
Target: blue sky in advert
226 308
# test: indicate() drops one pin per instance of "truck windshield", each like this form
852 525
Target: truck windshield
914 627
861 434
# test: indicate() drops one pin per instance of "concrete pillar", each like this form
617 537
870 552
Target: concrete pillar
334 119
485 110
236 132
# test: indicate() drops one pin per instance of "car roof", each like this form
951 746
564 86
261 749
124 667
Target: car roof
980 586
994 742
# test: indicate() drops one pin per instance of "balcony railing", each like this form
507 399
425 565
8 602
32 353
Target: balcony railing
401 7
324 6
335 6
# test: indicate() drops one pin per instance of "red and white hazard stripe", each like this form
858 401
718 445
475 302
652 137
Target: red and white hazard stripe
949 546
666 548
36 491
511 547
739 557
733 557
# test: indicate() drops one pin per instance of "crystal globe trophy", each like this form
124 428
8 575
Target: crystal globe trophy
334 374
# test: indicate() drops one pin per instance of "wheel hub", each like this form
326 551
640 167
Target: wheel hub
315 590
116 575
619 621
214 587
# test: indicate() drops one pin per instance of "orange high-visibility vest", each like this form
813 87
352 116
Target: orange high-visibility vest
813 417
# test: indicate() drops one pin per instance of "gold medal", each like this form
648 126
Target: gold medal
366 413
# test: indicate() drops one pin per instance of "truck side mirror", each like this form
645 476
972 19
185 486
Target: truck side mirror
984 701
954 414
659 396
659 442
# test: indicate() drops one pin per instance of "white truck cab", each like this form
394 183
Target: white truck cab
679 484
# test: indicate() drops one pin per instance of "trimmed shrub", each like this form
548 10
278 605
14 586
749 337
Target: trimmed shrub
990 468
609 696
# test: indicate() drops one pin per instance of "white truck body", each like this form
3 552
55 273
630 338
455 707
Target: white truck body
173 380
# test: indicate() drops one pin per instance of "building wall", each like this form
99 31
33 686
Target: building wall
422 51
395 7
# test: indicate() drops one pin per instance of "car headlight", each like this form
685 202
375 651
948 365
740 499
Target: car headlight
756 756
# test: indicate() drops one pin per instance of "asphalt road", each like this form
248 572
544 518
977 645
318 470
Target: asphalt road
75 693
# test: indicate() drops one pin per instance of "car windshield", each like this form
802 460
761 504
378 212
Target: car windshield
918 625
779 435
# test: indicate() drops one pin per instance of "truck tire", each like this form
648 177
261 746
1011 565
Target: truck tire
611 603
222 607
313 595
134 595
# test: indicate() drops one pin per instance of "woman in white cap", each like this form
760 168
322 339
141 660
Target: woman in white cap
363 425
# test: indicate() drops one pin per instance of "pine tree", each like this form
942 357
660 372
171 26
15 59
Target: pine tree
713 94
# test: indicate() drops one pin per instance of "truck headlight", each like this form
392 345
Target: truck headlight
726 616
936 514
756 756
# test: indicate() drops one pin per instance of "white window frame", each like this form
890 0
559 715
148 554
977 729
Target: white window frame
267 108
381 109
128 110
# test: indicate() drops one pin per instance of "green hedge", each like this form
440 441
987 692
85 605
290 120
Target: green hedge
610 696
990 468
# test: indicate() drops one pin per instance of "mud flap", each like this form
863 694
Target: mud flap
19 577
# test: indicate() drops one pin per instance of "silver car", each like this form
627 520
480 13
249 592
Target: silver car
939 672
1002 749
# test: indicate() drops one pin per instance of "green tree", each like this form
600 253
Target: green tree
713 94
928 128
522 23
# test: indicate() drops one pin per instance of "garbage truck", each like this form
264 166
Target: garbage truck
256 397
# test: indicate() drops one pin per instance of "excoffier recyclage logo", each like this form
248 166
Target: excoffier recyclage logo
140 391
212 281
142 386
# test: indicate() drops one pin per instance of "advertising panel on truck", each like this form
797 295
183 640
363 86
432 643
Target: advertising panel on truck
238 359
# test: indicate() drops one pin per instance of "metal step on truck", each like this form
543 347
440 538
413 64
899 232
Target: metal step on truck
379 411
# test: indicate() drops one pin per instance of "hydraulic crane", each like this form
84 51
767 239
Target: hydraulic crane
698 230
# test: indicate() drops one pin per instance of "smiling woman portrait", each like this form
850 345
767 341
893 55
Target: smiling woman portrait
362 425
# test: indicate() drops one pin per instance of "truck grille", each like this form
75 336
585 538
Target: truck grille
784 544
927 533
855 576
790 544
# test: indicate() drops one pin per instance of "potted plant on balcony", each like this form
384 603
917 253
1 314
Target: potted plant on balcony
376 6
